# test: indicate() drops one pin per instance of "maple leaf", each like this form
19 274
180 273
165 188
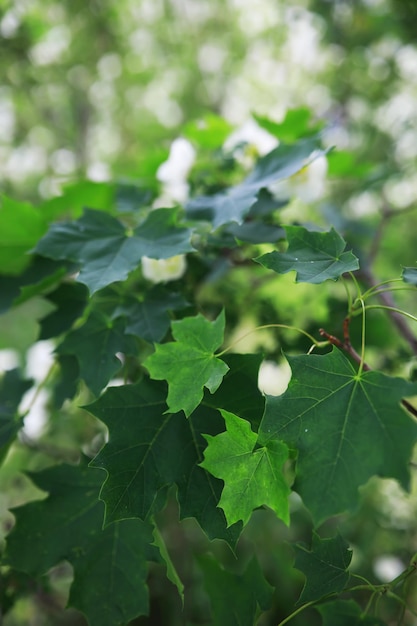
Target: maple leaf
149 318
252 475
68 525
324 566
315 256
346 427
189 363
149 450
235 598
107 251
12 388
235 203
102 337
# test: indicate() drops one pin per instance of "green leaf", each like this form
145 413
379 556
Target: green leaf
39 276
131 197
189 363
106 251
296 124
21 225
346 613
149 318
102 337
324 566
409 275
110 566
208 133
70 300
315 256
235 598
12 389
252 475
149 450
235 203
346 427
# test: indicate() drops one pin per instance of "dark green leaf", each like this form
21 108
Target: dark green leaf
346 613
235 203
149 318
12 389
256 232
189 363
315 256
346 427
324 566
149 450
68 379
131 197
252 475
235 598
70 300
95 345
106 251
38 277
110 567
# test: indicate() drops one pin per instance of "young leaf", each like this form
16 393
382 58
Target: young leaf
107 251
110 566
103 338
409 275
235 203
315 256
324 566
12 388
235 598
346 613
252 475
189 363
149 450
346 427
21 225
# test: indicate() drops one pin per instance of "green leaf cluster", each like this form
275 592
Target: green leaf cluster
155 418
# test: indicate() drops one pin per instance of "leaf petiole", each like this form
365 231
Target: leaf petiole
316 344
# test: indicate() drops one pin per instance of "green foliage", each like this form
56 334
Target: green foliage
315 256
160 463
252 475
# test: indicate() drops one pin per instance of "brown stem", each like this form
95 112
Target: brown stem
345 344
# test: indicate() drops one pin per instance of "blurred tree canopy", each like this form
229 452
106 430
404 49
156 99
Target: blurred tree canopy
89 88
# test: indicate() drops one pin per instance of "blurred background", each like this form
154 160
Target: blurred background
100 89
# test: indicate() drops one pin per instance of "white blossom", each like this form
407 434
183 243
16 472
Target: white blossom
251 133
308 184
164 270
174 171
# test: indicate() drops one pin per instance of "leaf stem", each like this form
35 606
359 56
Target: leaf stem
389 308
316 343
362 362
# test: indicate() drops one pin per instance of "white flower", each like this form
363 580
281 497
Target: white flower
164 270
273 378
308 184
254 135
174 171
